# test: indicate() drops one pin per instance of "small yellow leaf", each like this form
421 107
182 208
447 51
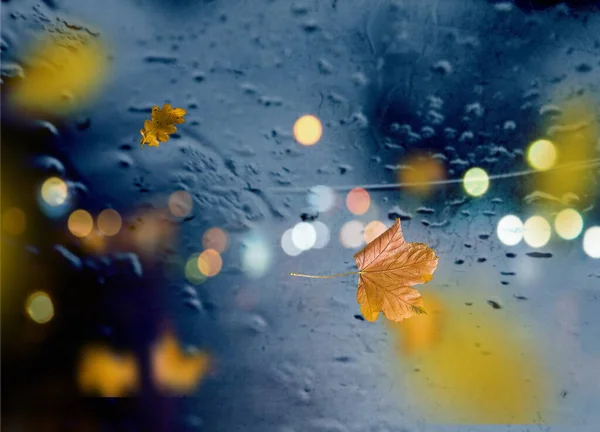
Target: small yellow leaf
175 371
388 268
162 125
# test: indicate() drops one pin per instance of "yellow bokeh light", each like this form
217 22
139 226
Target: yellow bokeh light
568 224
537 231
476 182
39 307
542 155
308 130
54 191
80 223
451 361
422 172
64 70
210 263
106 373
215 238
109 222
373 230
14 221
358 201
181 203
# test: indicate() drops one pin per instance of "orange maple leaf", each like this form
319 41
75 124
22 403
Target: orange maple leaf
388 267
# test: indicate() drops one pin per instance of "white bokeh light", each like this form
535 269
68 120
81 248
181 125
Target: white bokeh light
288 245
568 224
323 235
537 231
510 230
304 236
321 198
351 234
256 256
591 242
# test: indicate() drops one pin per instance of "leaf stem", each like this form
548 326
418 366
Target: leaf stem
324 277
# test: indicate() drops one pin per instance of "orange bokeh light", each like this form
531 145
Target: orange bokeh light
358 201
423 171
215 238
210 263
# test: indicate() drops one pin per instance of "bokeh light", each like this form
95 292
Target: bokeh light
358 201
80 223
304 236
181 203
210 263
14 221
288 245
174 370
373 230
591 242
64 71
39 307
54 191
510 230
106 373
308 130
537 231
192 271
542 155
351 234
323 235
449 360
215 238
109 222
476 182
422 171
321 198
568 224
256 255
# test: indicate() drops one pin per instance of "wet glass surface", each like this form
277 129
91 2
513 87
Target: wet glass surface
148 288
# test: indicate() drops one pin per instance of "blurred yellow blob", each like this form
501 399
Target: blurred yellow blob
61 74
421 332
80 223
181 203
568 224
215 238
542 155
460 364
175 371
210 263
39 307
109 222
358 201
575 134
54 191
537 231
308 130
422 171
476 182
13 221
103 372
373 230
150 232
